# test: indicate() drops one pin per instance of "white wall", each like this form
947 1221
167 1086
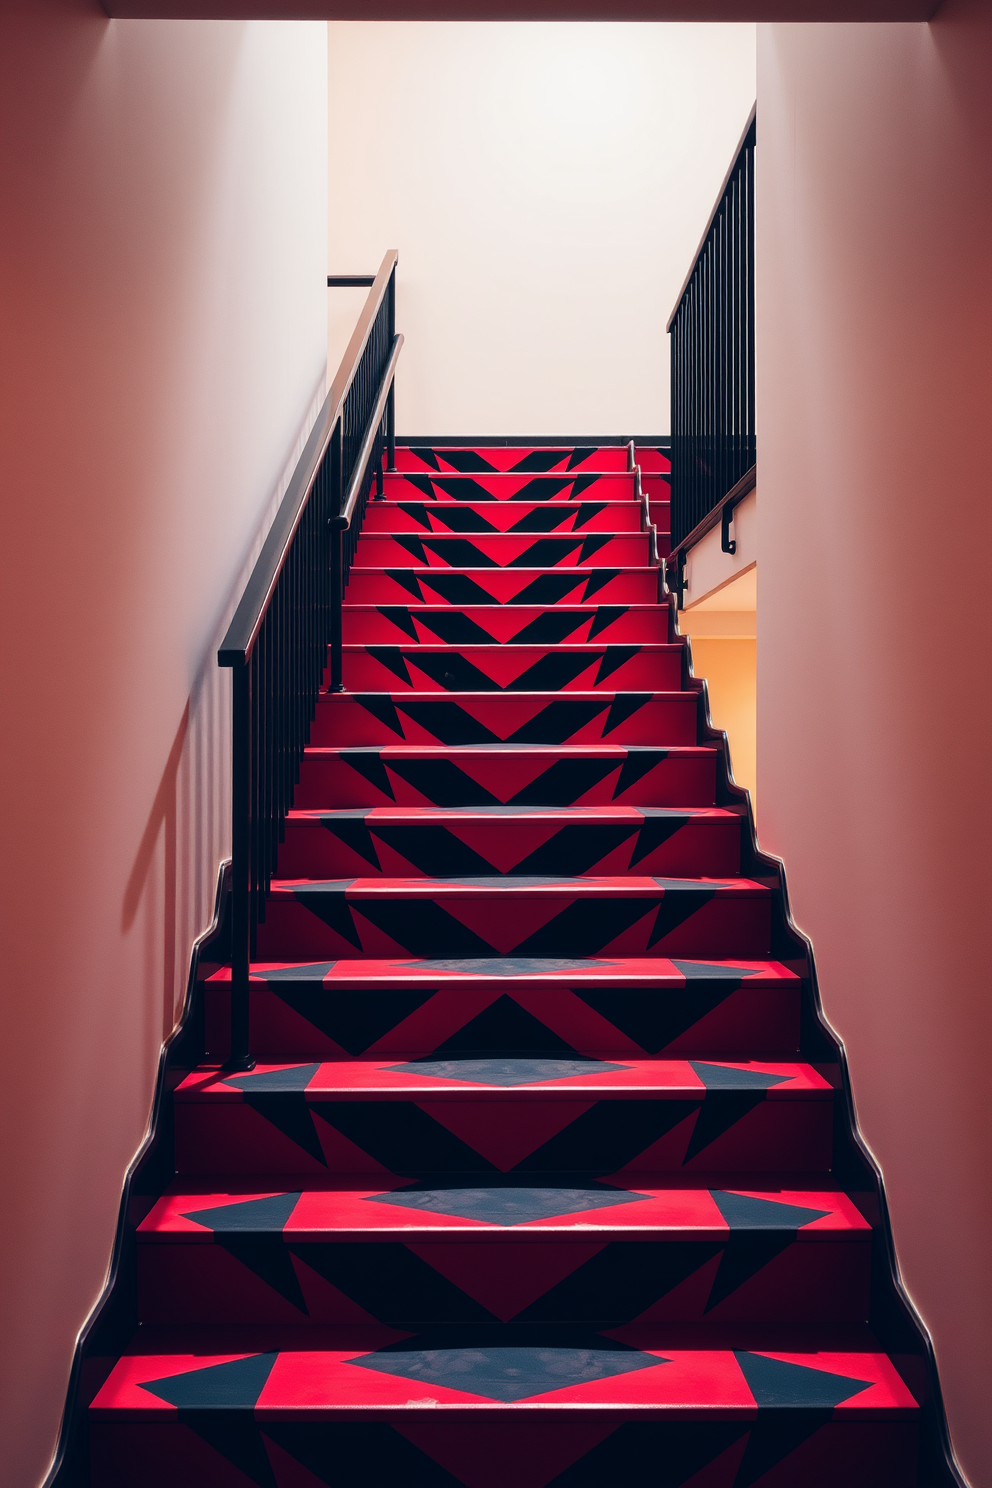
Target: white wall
546 186
875 627
162 252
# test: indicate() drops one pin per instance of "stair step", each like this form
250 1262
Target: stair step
547 1251
529 459
500 774
517 459
500 550
398 583
498 625
661 719
412 508
398 840
502 1115
540 915
617 1007
515 668
468 1404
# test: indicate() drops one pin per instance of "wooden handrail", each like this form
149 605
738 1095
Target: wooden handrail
710 219
243 629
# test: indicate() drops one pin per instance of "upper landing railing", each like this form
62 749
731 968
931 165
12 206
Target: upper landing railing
289 617
712 341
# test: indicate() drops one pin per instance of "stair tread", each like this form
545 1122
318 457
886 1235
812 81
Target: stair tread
600 697
652 973
509 1079
660 1205
544 648
568 751
592 608
580 569
591 815
522 885
319 1372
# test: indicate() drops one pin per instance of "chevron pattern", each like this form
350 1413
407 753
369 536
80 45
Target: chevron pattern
533 1182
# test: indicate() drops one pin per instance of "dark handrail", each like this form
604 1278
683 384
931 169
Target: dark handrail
290 613
350 281
712 346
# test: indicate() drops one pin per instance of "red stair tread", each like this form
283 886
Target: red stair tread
466 1079
544 752
698 1373
340 1208
546 488
521 887
580 815
645 971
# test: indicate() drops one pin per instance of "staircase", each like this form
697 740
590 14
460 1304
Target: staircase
531 1183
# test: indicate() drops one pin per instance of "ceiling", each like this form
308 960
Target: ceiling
527 10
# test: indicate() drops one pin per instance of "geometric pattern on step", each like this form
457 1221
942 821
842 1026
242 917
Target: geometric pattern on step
476 1006
538 776
521 668
472 914
489 717
532 1181
489 625
511 839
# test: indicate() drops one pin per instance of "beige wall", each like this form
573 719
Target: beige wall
163 245
546 186
875 404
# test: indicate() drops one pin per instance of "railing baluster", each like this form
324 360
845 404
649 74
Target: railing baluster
712 358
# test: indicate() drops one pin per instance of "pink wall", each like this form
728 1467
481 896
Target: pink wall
162 251
875 536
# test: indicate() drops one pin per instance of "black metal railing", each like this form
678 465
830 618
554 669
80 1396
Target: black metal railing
290 614
712 343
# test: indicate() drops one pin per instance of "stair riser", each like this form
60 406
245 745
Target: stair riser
383 779
598 550
492 718
503 586
489 625
522 669
572 1450
352 849
303 1020
545 925
557 489
743 1134
427 517
269 1280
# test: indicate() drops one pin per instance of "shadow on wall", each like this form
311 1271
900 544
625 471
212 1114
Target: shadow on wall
162 253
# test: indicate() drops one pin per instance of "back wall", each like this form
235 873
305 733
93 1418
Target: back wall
546 186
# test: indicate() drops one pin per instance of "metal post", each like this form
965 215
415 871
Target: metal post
337 595
239 1058
391 401
391 428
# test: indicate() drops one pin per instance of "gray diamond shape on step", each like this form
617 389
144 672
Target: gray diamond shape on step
509 966
507 1371
507 1072
506 1205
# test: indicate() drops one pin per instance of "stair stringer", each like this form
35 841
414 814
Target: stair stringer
114 1317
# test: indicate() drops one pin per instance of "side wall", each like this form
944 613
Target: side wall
875 528
163 249
546 186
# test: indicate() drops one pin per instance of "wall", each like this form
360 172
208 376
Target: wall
874 408
546 186
163 248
